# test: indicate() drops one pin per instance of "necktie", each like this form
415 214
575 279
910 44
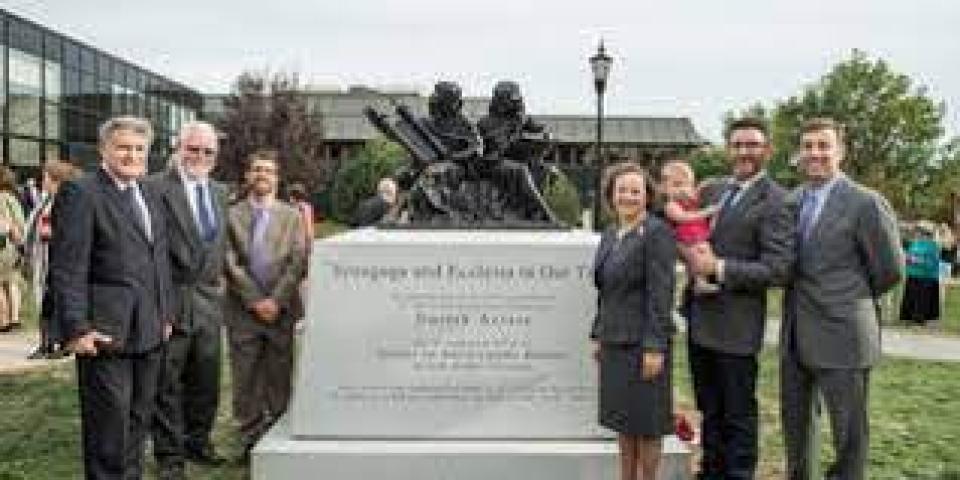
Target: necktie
728 200
129 195
808 206
259 253
208 228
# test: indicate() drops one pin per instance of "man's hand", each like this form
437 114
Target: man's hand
266 310
595 353
167 330
652 365
86 345
703 260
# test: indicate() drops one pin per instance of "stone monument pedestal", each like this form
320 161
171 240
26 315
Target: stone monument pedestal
447 355
281 456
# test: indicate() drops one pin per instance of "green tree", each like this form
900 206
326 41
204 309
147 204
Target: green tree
893 130
357 178
563 198
709 162
270 111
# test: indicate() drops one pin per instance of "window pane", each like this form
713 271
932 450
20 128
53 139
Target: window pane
87 60
3 81
24 152
52 119
88 91
71 87
104 97
52 151
71 54
71 125
103 67
53 47
25 37
52 79
25 88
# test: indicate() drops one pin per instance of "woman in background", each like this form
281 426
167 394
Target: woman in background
634 275
36 242
11 235
921 292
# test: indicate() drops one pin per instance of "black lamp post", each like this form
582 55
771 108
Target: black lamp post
600 65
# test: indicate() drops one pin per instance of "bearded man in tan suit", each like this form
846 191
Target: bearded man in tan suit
266 260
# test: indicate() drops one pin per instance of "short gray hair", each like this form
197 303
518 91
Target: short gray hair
128 123
196 126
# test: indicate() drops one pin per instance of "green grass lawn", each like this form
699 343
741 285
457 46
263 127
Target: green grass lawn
915 414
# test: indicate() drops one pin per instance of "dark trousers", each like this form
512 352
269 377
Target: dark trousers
845 393
189 392
116 403
261 365
725 389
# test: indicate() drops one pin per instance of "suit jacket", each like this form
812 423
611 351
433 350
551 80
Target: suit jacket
288 261
105 274
197 266
851 257
755 238
370 211
635 281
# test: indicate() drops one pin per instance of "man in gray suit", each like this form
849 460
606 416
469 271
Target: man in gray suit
188 394
849 255
751 249
266 261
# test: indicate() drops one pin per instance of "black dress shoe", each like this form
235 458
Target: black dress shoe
205 456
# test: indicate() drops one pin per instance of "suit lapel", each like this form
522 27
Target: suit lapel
243 218
831 209
748 197
121 206
220 206
176 198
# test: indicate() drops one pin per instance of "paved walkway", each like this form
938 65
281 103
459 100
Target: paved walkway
14 348
896 343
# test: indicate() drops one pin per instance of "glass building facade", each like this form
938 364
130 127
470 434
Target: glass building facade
55 92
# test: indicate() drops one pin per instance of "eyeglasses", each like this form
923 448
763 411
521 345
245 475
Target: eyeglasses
261 169
198 150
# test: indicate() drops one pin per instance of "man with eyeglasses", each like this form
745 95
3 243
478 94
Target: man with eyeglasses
750 250
266 261
188 394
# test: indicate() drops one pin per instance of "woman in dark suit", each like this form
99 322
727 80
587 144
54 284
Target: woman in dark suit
634 276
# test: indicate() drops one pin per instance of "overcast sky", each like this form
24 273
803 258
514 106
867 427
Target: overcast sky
680 57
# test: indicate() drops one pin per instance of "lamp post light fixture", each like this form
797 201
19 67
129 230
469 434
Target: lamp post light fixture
600 65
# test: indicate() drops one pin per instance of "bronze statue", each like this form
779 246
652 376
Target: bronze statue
461 177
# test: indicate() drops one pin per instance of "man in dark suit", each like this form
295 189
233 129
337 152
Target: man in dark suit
849 255
266 261
112 296
750 250
188 395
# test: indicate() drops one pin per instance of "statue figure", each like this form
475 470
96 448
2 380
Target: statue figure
458 177
514 145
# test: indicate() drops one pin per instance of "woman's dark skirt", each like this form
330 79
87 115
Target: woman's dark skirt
628 404
921 300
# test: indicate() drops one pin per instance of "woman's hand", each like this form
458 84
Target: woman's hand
652 365
596 351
